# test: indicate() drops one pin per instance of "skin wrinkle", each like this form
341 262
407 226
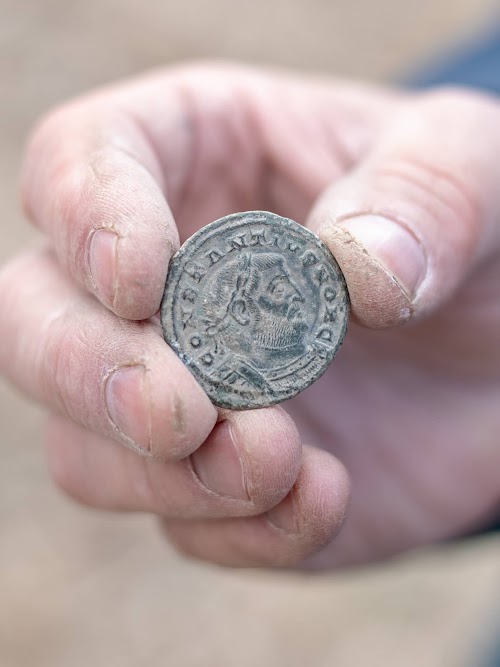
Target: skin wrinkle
424 202
426 169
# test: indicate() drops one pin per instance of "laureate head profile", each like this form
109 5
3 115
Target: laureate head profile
254 304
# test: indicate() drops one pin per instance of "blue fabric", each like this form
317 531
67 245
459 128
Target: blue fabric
476 64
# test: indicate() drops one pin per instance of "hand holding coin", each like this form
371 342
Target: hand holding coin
397 442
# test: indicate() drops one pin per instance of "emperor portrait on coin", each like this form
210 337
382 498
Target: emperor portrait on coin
256 306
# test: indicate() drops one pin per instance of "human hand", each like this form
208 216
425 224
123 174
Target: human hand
407 414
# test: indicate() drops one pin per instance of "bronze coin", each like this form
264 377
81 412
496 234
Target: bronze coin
256 307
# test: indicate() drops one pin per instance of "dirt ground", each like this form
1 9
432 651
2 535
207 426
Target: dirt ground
79 588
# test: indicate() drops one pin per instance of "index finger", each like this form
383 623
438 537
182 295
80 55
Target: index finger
93 183
99 170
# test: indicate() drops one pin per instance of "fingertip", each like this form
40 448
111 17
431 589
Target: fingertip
182 416
127 262
313 512
377 295
91 181
271 452
305 521
156 407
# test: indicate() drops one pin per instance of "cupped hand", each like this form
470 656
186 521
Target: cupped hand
403 430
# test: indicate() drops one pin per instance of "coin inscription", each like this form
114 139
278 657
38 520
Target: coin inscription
256 306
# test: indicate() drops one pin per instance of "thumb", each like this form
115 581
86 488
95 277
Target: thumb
411 222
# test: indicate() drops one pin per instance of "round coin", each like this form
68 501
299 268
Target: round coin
256 307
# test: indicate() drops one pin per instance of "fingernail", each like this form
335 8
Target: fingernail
103 263
394 246
129 406
284 515
218 465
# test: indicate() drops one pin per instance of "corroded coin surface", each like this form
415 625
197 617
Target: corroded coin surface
256 306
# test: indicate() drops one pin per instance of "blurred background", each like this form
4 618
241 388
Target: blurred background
80 588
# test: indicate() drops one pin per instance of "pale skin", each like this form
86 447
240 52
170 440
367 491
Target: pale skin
398 445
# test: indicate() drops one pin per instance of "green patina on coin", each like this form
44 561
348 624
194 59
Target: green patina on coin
256 307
